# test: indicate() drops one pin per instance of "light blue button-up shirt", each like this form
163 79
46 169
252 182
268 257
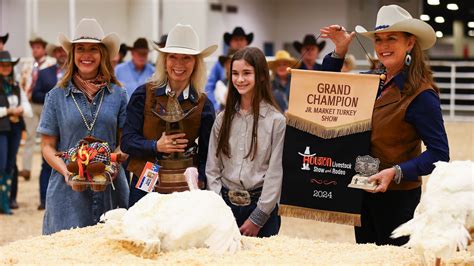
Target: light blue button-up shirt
130 77
66 208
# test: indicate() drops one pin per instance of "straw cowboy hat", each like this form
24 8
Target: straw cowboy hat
6 57
39 40
51 47
238 31
282 55
4 38
394 18
89 31
309 39
182 39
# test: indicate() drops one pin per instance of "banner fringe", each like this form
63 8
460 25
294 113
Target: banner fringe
319 215
327 133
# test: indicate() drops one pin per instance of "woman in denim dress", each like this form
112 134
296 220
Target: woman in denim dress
87 101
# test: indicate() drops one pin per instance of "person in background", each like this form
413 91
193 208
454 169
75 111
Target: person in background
180 73
236 40
13 106
309 50
220 93
118 59
87 101
162 41
3 40
137 71
47 79
349 63
406 113
28 77
281 77
246 147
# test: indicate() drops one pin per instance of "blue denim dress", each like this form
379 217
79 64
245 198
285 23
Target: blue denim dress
65 208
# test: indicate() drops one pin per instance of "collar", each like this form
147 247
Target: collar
188 93
71 88
399 80
264 107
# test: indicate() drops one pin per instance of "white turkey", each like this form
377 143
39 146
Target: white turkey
181 220
445 213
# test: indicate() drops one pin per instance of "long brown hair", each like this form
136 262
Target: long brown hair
262 92
418 72
105 67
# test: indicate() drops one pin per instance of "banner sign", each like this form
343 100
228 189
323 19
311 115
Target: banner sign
328 127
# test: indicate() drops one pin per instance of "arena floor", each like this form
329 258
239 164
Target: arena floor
27 220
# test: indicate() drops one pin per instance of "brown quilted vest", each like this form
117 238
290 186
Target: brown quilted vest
153 126
394 140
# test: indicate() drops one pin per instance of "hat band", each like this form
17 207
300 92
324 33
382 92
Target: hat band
7 60
381 27
85 37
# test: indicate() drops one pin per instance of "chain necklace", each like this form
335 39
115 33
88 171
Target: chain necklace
89 126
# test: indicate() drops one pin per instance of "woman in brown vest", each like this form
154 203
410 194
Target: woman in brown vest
180 72
406 112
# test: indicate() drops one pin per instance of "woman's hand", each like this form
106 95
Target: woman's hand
171 143
339 36
249 228
382 179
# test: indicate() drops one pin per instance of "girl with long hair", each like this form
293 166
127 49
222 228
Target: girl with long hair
244 163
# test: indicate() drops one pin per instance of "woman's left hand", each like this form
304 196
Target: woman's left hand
382 179
249 228
339 36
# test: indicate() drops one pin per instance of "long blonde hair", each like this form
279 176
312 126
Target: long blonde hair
105 67
198 77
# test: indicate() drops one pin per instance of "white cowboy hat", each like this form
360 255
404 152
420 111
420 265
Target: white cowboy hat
89 31
394 18
182 39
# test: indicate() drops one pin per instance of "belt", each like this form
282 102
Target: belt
241 197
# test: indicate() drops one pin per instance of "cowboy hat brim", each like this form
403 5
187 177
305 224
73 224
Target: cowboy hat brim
293 63
111 41
424 33
298 45
4 38
181 50
228 37
13 60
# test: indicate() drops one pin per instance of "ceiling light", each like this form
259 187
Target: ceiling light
439 19
433 2
471 33
439 34
452 6
470 24
425 17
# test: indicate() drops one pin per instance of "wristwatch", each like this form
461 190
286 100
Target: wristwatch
398 174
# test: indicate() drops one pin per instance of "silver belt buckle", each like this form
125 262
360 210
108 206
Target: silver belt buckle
239 197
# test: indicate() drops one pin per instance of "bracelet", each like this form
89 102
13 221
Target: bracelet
335 55
398 174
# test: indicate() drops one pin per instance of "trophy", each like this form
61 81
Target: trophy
171 173
365 166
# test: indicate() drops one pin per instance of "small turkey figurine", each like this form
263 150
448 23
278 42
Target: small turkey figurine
90 162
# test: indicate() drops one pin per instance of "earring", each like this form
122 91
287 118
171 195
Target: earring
408 59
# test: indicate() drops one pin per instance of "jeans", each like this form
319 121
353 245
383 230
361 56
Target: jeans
44 180
242 213
135 193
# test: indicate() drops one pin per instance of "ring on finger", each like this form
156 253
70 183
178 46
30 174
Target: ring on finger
174 142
